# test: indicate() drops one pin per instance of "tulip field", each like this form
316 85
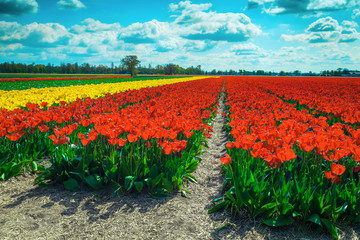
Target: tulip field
293 154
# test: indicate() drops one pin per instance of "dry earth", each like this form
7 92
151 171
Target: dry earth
29 212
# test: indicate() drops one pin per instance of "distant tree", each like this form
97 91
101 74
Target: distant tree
297 73
260 72
232 72
130 61
159 69
170 69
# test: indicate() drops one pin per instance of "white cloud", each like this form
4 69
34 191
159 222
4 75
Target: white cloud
349 24
92 25
169 44
245 49
194 29
326 30
303 7
356 13
10 47
187 6
323 25
148 32
195 24
69 4
33 34
198 46
18 7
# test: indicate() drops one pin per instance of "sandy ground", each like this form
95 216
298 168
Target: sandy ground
29 212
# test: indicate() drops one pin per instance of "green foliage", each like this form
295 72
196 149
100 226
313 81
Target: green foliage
23 155
295 191
22 85
131 61
133 167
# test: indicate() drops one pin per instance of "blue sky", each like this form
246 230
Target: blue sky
273 35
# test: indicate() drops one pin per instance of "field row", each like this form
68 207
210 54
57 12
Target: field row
290 158
48 96
53 78
287 164
148 138
23 85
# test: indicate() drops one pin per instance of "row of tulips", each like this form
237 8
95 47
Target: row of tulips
54 78
27 129
134 140
287 165
13 99
336 98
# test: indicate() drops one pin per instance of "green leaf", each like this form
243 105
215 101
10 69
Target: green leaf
219 206
146 171
139 186
231 197
160 193
217 199
168 184
221 228
296 214
285 208
278 221
185 192
315 218
330 227
156 180
71 185
265 208
343 208
192 167
34 166
2 177
94 181
191 178
115 188
129 181
154 172
148 182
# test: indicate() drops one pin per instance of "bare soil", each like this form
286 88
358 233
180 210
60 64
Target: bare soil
30 212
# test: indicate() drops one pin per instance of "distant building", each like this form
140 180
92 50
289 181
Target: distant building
352 74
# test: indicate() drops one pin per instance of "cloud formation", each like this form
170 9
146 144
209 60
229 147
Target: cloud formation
245 49
33 34
196 23
302 7
69 4
148 32
196 34
18 7
92 25
326 30
356 14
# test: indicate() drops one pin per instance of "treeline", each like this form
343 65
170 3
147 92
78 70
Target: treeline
338 72
86 68
69 68
167 69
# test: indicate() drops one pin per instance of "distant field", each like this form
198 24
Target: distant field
22 85
44 75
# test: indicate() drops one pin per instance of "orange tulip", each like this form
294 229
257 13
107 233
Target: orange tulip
226 160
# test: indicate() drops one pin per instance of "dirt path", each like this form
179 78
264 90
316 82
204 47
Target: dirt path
29 212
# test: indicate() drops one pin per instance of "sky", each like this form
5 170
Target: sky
270 35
